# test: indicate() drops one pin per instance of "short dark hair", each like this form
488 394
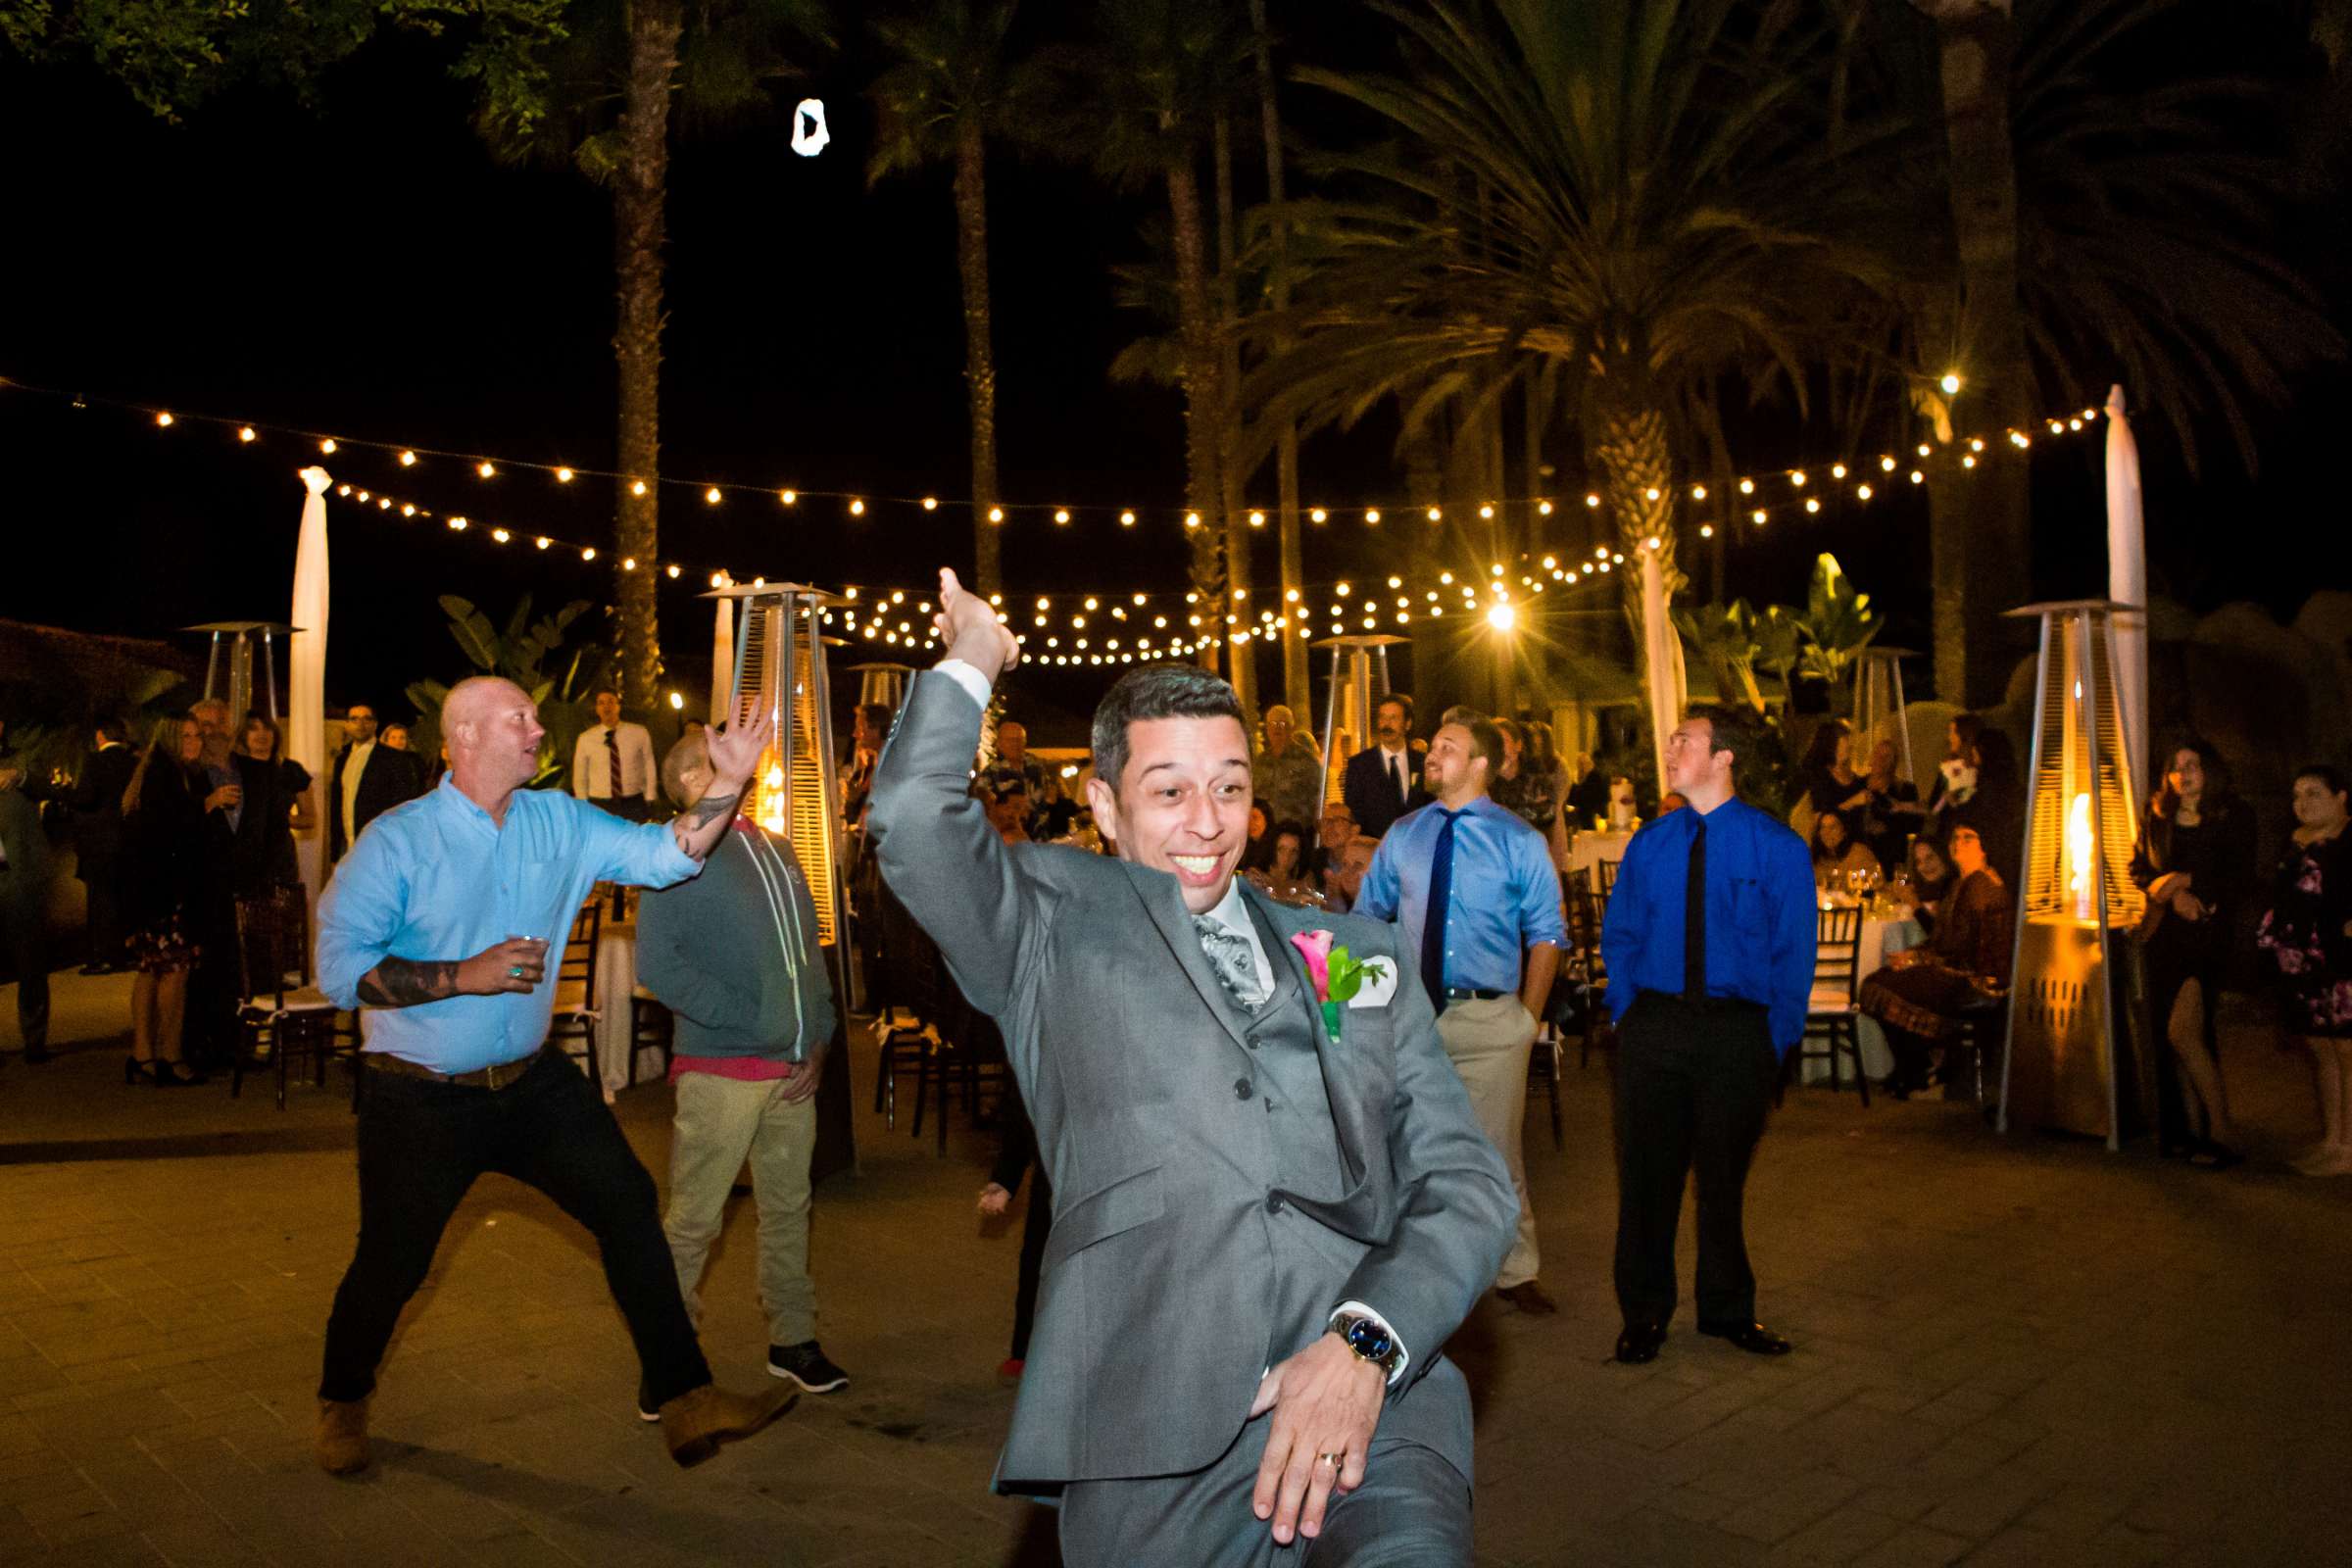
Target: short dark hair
1400 700
1155 691
877 718
1730 731
1486 741
2326 773
114 729
605 691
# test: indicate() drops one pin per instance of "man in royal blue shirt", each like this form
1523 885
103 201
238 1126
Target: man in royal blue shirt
439 920
1709 943
1472 892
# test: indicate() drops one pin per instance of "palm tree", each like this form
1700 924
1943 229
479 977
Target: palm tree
2062 227
599 99
1154 80
1296 690
1619 203
954 89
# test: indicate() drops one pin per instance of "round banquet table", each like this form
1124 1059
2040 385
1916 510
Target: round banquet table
1591 846
615 985
1879 937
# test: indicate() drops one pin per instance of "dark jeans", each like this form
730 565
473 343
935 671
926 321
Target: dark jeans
1693 1081
1035 1226
421 1144
22 937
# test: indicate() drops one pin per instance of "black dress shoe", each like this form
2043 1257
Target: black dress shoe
1753 1338
1639 1343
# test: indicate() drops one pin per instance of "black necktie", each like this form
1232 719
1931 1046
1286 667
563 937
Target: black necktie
1433 922
1397 779
1695 915
612 761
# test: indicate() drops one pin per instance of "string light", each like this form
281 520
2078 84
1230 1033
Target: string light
636 487
327 446
408 460
563 476
164 420
856 507
930 502
486 468
247 434
712 495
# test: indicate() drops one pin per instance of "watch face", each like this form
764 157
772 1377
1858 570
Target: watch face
1369 1341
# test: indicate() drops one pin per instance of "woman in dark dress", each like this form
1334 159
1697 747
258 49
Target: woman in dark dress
2195 861
162 823
1827 777
1920 995
2308 935
276 802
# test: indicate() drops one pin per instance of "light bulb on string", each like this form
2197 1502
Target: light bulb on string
247 434
563 476
486 469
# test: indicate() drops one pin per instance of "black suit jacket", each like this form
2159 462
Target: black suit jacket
1369 794
97 806
391 778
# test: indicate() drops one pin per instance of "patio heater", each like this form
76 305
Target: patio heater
778 668
883 683
1880 703
230 679
2065 1060
1359 678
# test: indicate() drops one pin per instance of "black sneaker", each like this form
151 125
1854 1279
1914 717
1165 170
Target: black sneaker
806 1364
646 1410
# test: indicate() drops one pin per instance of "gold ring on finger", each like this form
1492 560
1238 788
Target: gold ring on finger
1335 1460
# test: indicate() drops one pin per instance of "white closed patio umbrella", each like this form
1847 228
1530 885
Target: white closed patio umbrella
1663 675
2127 581
306 678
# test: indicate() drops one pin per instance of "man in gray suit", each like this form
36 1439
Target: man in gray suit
1264 1228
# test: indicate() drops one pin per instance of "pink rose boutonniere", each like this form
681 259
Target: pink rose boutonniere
1337 975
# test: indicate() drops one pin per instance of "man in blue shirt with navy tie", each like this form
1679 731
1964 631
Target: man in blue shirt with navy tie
1709 943
1472 889
439 920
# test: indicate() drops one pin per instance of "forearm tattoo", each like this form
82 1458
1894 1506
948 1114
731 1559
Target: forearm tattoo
405 982
711 808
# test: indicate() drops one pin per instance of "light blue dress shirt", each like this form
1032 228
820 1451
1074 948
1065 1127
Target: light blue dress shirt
1505 895
435 878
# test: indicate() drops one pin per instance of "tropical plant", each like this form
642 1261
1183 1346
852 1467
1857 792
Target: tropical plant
1724 638
598 97
954 89
541 656
1628 204
1838 623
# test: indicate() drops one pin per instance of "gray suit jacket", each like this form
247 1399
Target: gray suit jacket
1168 1233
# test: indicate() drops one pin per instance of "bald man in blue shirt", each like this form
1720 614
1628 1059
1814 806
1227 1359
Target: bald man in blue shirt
1709 943
439 921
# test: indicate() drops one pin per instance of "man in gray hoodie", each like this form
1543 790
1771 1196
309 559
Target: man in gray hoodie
733 953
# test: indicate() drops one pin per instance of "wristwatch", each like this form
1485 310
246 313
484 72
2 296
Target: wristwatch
1368 1338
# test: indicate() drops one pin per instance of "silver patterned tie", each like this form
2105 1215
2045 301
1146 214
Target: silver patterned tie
1230 957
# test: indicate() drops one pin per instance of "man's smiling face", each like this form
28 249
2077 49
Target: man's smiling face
1183 803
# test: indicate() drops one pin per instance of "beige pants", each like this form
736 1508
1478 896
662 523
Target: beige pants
720 1122
1488 1042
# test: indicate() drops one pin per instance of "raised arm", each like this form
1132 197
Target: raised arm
734 754
940 857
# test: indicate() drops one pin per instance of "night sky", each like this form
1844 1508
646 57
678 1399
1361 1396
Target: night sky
364 268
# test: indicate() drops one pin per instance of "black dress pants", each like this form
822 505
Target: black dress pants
23 938
1694 1082
421 1145
102 883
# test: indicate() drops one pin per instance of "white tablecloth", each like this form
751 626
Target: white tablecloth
1589 848
615 984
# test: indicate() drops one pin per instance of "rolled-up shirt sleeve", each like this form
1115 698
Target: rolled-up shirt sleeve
361 911
642 855
1539 918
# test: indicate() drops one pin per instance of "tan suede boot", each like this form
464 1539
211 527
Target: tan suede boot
343 1435
698 1421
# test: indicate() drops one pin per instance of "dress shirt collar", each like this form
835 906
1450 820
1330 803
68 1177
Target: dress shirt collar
1233 915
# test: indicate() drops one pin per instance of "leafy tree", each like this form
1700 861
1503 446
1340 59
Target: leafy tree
955 89
541 656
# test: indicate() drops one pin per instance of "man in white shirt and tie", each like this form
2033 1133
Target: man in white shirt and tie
613 765
1383 781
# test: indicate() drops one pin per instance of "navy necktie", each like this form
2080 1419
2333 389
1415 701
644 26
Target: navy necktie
1695 915
1433 922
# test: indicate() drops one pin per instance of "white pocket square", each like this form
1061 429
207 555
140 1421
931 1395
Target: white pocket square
1378 986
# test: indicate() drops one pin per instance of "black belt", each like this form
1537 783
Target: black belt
1470 994
1703 1003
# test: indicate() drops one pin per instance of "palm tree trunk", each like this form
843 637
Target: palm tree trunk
1979 526
1228 430
1295 689
1639 474
979 356
638 195
1203 407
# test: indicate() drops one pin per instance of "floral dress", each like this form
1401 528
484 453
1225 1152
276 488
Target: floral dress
2303 933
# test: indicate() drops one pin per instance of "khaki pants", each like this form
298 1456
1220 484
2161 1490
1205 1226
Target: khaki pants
1488 1042
720 1122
